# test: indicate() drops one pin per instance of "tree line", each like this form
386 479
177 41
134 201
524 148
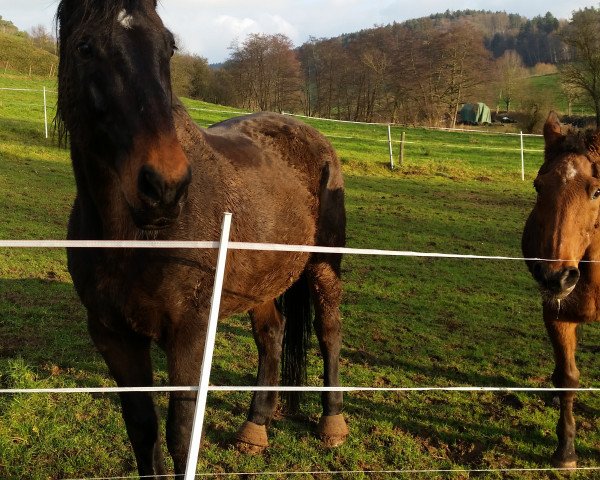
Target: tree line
418 72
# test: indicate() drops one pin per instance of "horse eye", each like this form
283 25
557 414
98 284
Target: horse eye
596 194
84 49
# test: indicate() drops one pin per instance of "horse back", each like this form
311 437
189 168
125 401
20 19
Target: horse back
282 181
309 154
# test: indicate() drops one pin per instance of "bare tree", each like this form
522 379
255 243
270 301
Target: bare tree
583 72
511 72
466 64
266 73
43 39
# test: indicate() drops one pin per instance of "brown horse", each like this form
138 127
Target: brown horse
144 170
564 227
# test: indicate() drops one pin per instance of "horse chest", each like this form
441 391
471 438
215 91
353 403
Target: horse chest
149 300
584 304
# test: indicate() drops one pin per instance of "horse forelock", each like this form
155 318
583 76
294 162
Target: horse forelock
73 19
583 143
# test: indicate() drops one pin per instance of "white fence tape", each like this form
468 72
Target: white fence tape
40 90
277 247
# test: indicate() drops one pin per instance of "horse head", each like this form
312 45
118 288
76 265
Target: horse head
115 103
564 224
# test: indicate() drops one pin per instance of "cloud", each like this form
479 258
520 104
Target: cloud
264 23
211 33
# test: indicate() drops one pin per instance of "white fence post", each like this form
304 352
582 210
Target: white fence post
45 114
209 346
390 144
522 159
402 141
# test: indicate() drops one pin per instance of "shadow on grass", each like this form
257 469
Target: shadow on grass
27 133
43 322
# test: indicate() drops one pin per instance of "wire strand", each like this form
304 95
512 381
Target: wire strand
356 472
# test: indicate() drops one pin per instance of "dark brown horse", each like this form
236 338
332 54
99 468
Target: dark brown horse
564 226
144 170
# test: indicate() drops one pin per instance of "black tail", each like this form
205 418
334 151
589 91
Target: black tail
297 310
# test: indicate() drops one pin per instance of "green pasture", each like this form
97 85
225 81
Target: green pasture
407 321
548 87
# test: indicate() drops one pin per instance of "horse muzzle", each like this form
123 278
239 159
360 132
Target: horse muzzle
159 201
557 284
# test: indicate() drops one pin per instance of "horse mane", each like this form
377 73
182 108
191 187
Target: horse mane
579 142
73 18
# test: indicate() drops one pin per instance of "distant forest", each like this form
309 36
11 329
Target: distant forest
418 71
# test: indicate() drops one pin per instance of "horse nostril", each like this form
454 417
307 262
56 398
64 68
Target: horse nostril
538 271
569 277
151 184
181 188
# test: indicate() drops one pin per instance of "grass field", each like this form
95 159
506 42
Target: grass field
407 321
548 86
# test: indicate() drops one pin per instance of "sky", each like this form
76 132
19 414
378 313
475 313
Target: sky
209 27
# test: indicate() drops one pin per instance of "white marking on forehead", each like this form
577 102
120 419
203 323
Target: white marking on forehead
125 19
571 171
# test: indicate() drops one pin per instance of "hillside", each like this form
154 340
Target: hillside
18 54
534 39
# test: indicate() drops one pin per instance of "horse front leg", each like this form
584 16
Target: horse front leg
566 375
326 290
267 327
127 356
184 349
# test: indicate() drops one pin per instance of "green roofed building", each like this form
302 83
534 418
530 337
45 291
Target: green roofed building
475 114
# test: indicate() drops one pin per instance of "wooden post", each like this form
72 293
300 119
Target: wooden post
390 145
30 70
402 140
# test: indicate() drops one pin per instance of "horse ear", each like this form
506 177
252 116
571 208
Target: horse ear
552 130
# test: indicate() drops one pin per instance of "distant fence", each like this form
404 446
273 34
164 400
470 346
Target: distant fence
43 97
403 141
390 141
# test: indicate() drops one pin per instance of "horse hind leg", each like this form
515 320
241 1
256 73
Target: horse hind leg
566 375
268 329
324 279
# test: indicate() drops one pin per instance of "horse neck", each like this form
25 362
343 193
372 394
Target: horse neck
99 197
190 135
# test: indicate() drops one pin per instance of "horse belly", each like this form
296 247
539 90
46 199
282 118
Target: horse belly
258 276
254 277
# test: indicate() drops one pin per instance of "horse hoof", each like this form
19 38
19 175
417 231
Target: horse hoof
252 438
332 430
556 463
